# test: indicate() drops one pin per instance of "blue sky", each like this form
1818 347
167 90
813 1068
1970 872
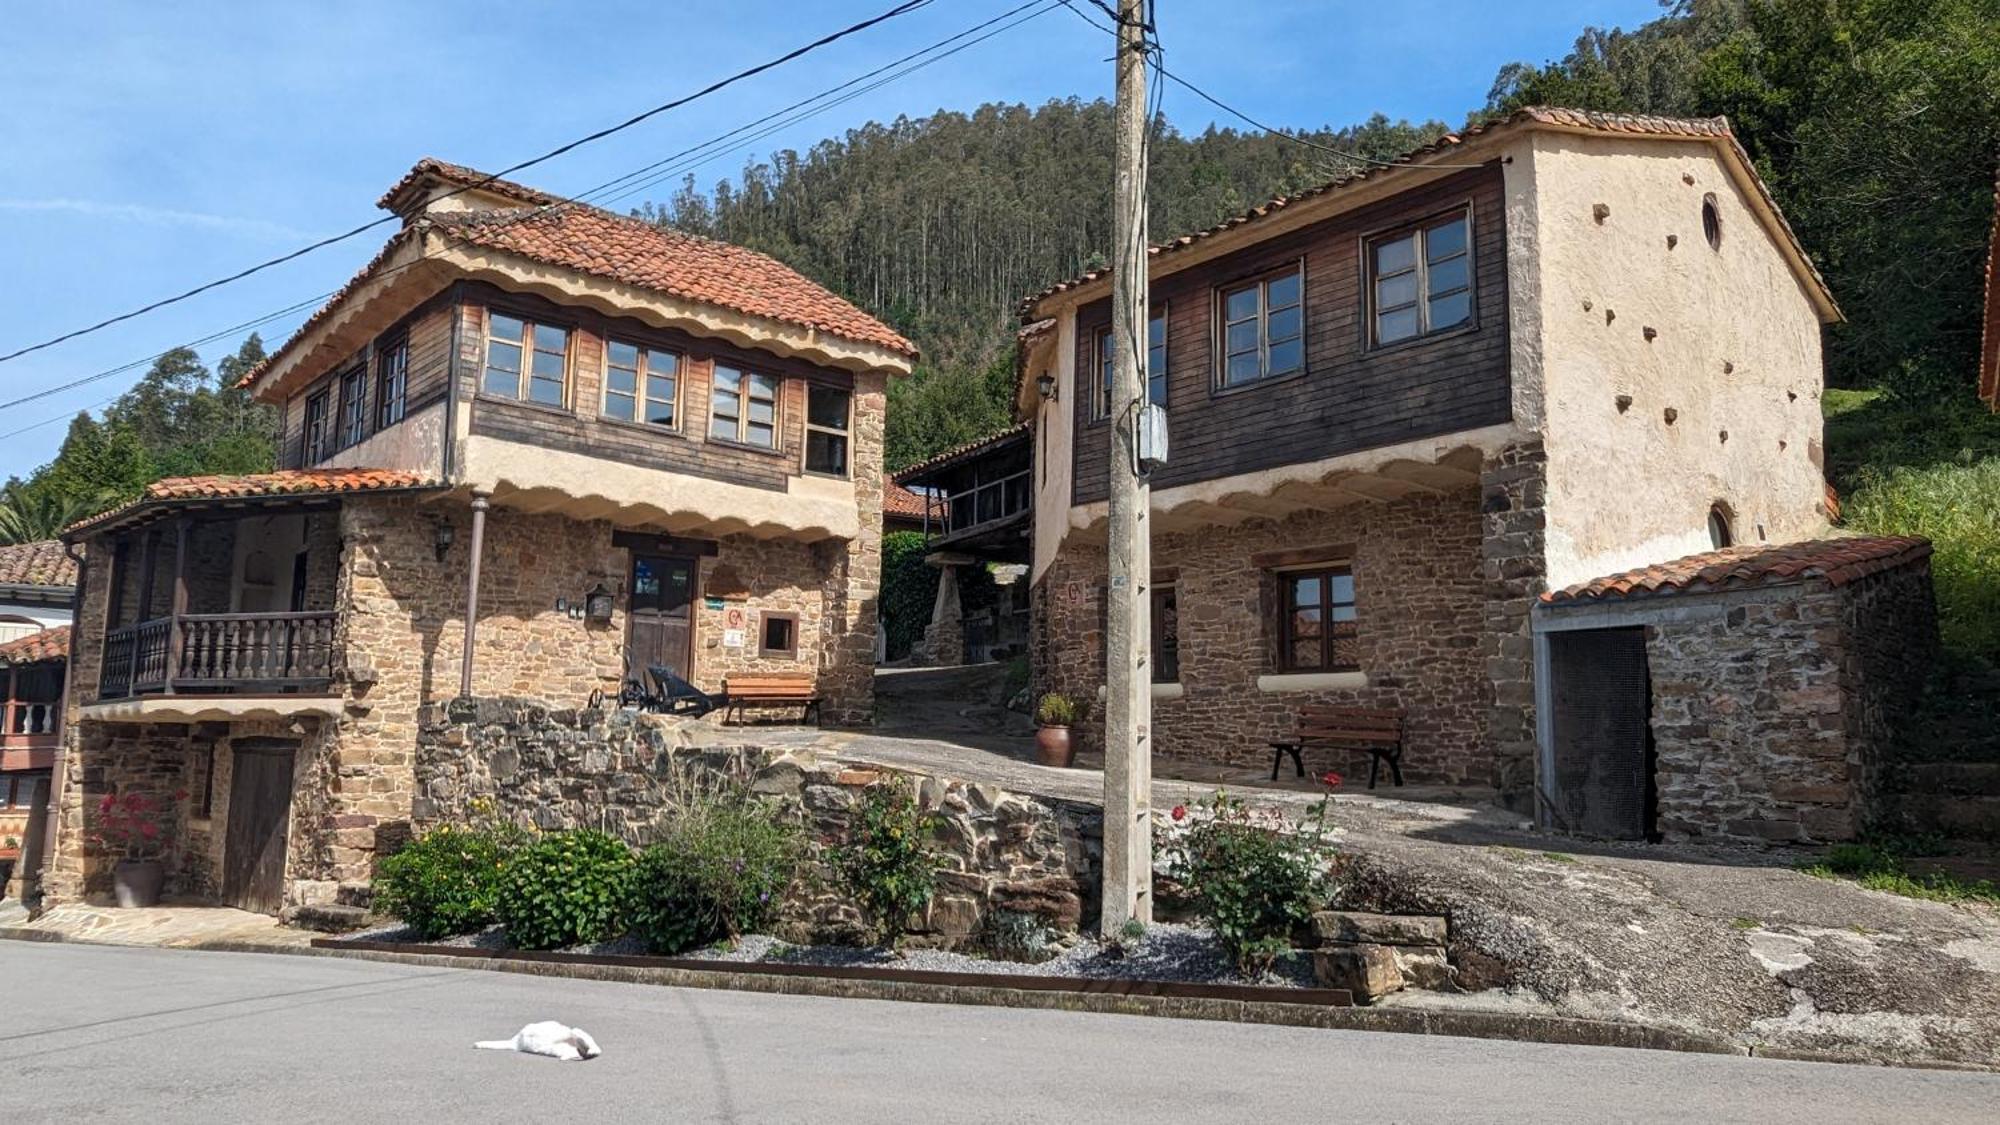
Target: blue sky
154 146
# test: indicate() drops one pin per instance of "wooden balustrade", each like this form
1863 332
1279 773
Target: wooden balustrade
971 509
219 652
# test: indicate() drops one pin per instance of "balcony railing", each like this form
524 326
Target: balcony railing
219 652
954 515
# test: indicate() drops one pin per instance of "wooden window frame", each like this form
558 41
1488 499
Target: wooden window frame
1325 572
845 434
1261 282
1158 645
317 425
392 379
642 374
742 413
524 379
1100 402
764 619
352 427
1370 321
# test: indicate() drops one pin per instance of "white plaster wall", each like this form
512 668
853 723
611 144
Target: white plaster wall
416 444
281 538
1054 459
1628 489
20 620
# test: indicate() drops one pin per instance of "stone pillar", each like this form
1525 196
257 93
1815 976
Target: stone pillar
1513 493
943 645
853 574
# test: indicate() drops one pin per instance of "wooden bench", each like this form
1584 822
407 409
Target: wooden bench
770 689
1376 730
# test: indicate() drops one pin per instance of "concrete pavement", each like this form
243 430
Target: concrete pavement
119 1034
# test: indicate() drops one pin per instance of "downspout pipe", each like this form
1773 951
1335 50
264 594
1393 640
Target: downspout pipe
477 547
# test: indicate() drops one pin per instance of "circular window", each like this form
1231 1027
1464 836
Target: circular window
1711 221
1719 533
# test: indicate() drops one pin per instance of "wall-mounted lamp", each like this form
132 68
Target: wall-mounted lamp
442 535
1046 384
597 604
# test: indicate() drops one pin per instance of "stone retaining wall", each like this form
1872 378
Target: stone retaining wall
618 771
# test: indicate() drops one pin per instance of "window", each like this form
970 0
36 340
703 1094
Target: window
1711 221
525 360
353 407
1263 329
1317 629
778 635
392 380
744 407
641 384
826 430
1166 656
1720 534
1156 365
1421 280
318 427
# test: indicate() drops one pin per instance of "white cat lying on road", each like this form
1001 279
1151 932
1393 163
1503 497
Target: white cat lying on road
557 1041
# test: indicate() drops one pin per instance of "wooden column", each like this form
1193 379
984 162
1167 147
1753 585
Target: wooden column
180 602
477 547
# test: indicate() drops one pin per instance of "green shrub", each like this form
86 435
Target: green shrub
889 865
909 590
1255 878
446 881
565 889
1055 710
1879 866
719 871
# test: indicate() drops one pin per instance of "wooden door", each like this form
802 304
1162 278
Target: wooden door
1601 783
660 624
260 805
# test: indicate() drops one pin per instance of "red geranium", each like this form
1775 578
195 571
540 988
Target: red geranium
1180 812
1330 779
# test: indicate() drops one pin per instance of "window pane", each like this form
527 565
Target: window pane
622 354
619 406
826 453
1284 324
1243 368
1399 325
504 326
827 407
1104 351
661 387
1240 304
1397 256
548 365
1156 389
1444 241
1340 589
1240 337
1284 291
1393 291
664 364
1447 276
1449 311
1156 332
764 386
762 412
660 412
501 382
727 378
722 428
551 339
1286 356
548 391
762 435
1305 591
1305 639
622 381
505 357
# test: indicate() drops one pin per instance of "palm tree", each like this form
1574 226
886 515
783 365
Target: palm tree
27 516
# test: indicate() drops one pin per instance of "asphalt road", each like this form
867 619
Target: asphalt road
98 1033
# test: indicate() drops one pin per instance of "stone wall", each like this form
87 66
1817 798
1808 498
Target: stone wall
1513 508
1890 645
1419 594
621 772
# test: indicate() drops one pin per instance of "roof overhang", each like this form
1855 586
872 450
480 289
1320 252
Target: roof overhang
213 708
154 509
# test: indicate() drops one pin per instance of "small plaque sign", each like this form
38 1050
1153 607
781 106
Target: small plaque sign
732 638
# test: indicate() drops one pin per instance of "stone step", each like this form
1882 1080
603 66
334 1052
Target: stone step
327 917
1354 926
355 894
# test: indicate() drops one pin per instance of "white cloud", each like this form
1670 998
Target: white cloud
156 216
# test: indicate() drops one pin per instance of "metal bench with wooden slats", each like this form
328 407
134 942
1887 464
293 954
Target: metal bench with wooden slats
770 689
1376 730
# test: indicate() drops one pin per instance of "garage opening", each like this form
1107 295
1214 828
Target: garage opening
1603 757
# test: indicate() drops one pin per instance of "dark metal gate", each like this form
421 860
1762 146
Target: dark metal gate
1602 780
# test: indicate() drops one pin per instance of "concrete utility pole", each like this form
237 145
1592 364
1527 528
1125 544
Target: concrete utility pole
1128 689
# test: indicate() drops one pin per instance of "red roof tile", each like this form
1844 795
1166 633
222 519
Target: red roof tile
49 644
900 501
41 563
978 445
1835 561
461 177
1634 124
284 482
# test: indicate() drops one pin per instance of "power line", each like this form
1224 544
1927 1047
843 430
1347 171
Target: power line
900 9
669 163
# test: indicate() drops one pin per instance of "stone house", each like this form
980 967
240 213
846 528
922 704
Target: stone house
37 589
1407 403
531 449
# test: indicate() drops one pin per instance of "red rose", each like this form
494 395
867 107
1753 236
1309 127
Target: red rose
1330 779
1180 812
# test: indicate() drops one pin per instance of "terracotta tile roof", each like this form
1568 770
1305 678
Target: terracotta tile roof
1835 561
956 452
459 176
49 644
642 254
41 563
1633 124
900 501
247 486
333 302
1989 349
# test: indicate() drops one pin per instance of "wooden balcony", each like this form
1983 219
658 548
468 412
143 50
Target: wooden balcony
984 514
211 653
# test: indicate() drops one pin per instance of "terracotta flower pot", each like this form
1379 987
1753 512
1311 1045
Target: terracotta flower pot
1052 747
136 882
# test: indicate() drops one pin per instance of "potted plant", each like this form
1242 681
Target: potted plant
133 827
1053 715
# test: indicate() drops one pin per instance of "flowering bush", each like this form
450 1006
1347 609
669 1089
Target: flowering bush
720 870
890 866
1252 873
134 826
